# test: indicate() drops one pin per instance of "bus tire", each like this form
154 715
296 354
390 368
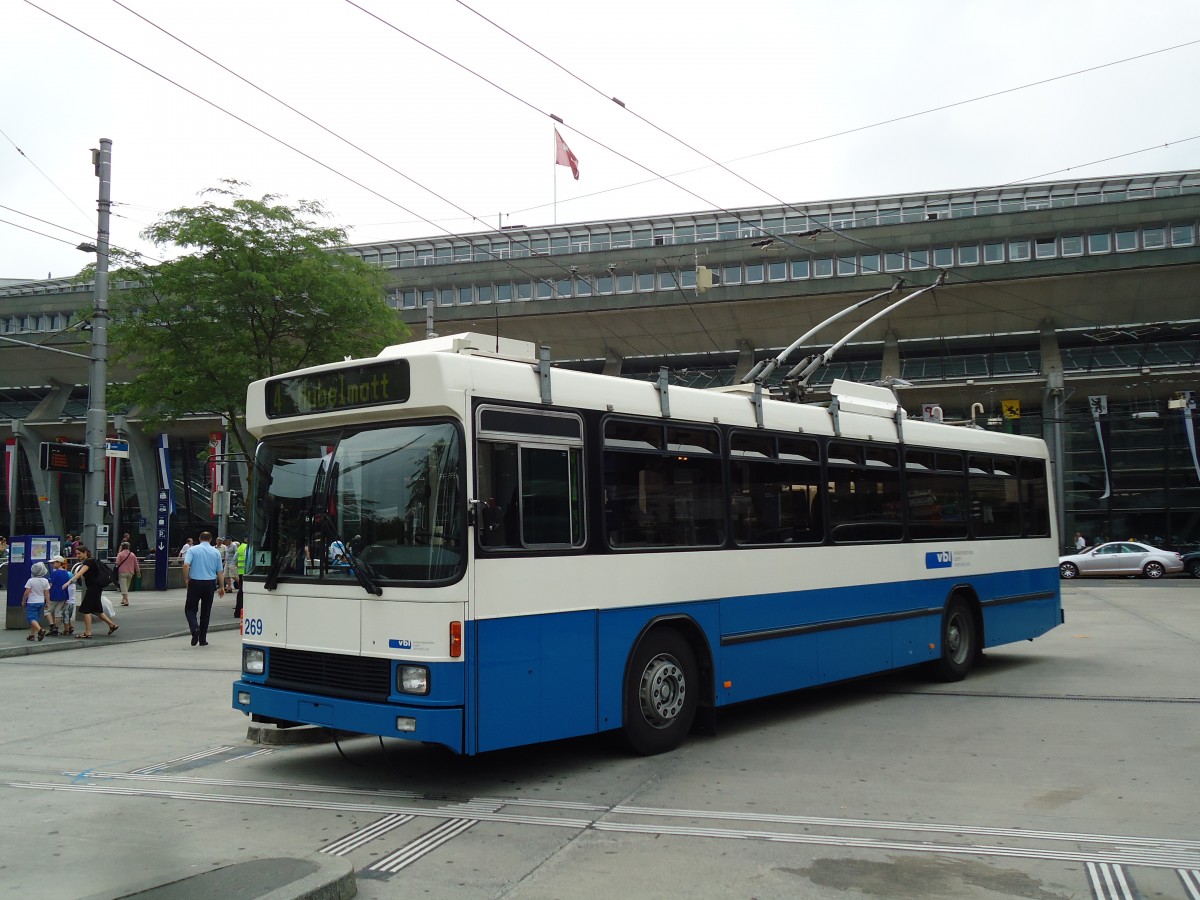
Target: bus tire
662 688
960 641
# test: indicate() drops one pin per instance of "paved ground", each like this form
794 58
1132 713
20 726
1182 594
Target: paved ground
1065 768
149 616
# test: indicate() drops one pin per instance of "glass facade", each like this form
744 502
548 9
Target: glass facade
1149 489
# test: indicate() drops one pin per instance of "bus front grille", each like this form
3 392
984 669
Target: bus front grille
330 674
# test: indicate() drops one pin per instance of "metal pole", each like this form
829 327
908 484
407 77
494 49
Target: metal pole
223 486
97 414
429 332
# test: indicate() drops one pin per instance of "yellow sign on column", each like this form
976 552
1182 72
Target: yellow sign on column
1011 408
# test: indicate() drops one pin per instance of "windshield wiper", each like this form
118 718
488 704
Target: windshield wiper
272 547
278 561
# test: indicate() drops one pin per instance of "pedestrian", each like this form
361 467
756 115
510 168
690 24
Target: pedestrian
241 572
72 597
219 543
337 553
93 605
185 548
231 565
127 567
1080 542
202 572
58 578
37 589
3 549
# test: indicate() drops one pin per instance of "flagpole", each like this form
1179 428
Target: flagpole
554 175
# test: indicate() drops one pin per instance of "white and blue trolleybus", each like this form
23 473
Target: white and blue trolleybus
457 543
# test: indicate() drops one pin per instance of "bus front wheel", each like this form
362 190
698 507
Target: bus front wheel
661 693
960 641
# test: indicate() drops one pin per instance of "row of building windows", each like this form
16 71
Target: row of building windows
779 221
1014 250
34 322
515 242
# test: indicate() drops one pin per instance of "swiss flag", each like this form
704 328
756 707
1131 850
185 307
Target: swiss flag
563 155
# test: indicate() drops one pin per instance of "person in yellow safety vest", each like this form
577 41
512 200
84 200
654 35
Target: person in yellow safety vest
241 570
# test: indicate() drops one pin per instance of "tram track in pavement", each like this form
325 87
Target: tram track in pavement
1109 857
1010 695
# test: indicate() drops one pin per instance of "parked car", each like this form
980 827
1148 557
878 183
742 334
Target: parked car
1121 558
1191 563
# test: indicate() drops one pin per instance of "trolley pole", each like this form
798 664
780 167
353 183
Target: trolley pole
97 414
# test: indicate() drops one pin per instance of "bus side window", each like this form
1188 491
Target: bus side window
500 490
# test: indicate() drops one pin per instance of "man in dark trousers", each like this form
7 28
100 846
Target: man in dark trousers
202 569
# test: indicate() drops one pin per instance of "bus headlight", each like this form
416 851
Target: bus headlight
412 679
254 662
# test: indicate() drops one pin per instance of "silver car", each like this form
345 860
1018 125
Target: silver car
1121 558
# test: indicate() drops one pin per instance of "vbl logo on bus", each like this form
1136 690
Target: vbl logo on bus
939 559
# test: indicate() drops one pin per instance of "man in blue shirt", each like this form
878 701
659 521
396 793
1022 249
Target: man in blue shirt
202 568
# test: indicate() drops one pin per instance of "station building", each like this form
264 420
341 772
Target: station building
1068 310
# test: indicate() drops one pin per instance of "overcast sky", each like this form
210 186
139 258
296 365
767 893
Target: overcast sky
763 87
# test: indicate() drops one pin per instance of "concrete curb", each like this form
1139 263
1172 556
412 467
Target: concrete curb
315 877
334 880
260 733
60 643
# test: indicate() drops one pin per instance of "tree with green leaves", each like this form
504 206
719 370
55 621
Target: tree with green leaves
260 291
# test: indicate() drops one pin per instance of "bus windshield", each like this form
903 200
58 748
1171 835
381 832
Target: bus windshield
369 505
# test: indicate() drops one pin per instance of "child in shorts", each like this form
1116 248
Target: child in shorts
34 600
58 578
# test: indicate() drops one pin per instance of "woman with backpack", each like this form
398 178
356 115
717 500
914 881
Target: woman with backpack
92 572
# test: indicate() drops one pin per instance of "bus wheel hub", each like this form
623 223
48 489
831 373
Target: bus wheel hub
662 691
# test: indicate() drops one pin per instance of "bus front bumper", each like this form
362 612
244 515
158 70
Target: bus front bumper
411 723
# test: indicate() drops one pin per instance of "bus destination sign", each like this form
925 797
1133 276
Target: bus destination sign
371 384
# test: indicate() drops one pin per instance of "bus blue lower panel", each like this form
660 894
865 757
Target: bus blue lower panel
547 677
536 678
1019 620
435 726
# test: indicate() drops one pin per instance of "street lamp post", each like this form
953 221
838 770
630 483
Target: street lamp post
97 414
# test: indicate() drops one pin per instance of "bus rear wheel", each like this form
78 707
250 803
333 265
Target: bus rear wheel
661 693
960 641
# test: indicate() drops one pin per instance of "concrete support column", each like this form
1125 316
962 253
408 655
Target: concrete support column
50 410
613 362
891 355
745 360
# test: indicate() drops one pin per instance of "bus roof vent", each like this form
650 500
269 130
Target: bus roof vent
865 399
467 342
